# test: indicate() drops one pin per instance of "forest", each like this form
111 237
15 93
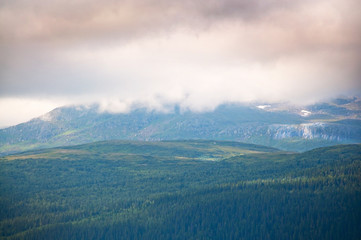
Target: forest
181 190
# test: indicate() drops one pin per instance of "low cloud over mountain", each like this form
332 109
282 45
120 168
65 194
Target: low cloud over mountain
156 53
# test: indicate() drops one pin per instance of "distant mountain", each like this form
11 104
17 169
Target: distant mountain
279 125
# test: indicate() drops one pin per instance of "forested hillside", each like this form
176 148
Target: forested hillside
181 190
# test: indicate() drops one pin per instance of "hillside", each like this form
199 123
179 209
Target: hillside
181 149
280 126
180 190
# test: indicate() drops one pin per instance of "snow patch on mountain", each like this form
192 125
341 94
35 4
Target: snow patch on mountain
305 113
263 106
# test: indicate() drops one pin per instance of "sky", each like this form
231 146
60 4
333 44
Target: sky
156 53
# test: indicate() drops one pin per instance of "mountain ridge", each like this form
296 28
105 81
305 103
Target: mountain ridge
280 126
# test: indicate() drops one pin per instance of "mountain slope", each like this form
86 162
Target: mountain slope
204 150
279 126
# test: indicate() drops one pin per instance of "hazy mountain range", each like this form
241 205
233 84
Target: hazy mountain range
276 125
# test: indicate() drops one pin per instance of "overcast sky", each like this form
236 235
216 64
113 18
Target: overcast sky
196 53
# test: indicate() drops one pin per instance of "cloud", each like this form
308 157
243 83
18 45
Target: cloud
62 20
18 110
160 52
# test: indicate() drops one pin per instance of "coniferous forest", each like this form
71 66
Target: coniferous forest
181 190
180 120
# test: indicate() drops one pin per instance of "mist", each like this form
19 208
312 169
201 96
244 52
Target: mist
122 54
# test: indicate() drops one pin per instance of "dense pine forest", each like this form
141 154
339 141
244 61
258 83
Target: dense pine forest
181 190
